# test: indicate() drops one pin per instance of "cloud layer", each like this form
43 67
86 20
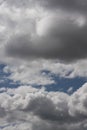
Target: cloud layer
38 109
35 35
43 72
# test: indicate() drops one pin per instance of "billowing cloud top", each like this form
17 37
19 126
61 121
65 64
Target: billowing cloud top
35 109
48 29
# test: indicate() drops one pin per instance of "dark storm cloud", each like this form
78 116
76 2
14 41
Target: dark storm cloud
62 38
80 5
58 33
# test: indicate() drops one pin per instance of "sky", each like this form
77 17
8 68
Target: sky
43 64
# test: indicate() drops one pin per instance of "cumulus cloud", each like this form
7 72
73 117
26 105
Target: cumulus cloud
43 72
38 109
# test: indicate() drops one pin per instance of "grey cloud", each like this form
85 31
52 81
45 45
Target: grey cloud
52 112
78 5
61 38
17 3
49 112
2 112
39 33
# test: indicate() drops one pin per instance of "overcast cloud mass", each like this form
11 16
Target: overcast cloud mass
41 39
44 29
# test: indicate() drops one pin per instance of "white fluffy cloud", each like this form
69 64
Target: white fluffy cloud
42 72
29 108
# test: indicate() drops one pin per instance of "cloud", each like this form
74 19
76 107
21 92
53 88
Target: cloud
30 73
70 90
73 5
39 33
56 37
35 35
43 72
28 109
